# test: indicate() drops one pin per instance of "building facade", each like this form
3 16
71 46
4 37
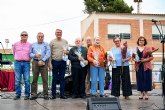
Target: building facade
129 27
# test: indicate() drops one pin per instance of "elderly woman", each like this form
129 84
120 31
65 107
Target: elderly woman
120 70
143 68
96 56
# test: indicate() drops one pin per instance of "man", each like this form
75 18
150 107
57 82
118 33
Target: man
57 64
87 82
78 58
21 52
40 53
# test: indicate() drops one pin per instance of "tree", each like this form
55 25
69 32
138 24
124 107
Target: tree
114 6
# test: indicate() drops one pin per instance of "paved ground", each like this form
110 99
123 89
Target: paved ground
155 102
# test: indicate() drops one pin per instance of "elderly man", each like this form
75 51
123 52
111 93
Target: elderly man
21 52
40 53
57 63
78 58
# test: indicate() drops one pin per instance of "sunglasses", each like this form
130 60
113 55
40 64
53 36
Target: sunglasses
24 35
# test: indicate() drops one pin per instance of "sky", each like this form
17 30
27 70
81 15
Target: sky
45 16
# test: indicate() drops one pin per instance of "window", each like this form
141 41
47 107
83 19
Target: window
155 32
111 36
155 36
125 35
156 71
122 30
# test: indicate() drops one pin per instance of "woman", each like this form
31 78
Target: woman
120 70
143 68
96 56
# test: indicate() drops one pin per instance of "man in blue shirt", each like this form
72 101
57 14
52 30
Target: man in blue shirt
40 53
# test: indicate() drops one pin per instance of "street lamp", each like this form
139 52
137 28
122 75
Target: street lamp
138 5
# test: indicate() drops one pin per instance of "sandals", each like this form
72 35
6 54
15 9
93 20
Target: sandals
143 96
140 98
146 98
127 98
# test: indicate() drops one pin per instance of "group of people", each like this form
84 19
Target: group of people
88 64
43 56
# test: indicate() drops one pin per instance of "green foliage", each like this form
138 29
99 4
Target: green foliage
113 6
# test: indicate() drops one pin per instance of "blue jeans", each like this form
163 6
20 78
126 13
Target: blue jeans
22 68
97 73
58 71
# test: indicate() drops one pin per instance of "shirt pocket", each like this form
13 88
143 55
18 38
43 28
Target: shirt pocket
26 49
18 48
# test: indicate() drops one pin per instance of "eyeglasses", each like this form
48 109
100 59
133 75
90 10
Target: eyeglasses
24 35
41 36
78 41
117 41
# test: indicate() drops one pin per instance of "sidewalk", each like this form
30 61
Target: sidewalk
155 99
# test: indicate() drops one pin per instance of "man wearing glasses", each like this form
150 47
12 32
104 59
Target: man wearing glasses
21 52
40 53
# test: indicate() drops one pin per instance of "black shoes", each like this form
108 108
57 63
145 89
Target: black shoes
77 96
53 97
74 96
16 98
63 97
33 98
83 96
93 96
101 95
46 97
26 98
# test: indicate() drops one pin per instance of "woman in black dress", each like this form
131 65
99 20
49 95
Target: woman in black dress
143 68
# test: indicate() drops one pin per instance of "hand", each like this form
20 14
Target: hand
133 59
85 62
50 66
80 58
65 51
110 59
96 63
106 67
143 60
41 63
123 60
38 55
113 61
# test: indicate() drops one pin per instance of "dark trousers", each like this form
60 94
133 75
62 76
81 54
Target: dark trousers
121 76
87 82
44 74
58 71
78 77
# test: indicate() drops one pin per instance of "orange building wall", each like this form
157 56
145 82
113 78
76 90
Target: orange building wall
90 31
